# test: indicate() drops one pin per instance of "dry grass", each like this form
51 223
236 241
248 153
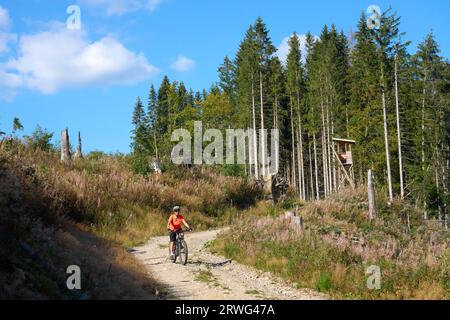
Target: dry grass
337 244
121 206
37 245
86 214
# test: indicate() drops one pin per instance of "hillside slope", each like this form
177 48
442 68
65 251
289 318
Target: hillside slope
88 213
337 244
38 243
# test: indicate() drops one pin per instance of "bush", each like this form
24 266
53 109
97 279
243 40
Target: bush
139 164
40 139
324 282
232 170
244 195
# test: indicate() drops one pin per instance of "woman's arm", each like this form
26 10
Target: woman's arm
168 223
186 224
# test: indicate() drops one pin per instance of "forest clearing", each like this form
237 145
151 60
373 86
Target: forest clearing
322 174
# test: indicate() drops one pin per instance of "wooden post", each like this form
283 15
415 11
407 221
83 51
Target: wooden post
65 150
371 192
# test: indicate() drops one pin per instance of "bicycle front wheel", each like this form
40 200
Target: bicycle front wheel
183 252
174 256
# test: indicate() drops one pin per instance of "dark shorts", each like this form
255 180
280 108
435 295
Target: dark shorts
173 236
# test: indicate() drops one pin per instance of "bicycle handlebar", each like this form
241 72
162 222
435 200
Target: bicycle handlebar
182 230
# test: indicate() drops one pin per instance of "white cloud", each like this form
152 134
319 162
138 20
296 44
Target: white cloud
9 83
121 7
52 60
283 48
5 38
5 20
183 64
153 4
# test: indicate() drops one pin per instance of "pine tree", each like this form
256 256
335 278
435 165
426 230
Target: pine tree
17 125
311 103
428 63
295 87
277 81
162 112
365 122
139 128
227 78
152 108
385 42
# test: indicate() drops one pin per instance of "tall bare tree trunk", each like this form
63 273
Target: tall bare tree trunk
156 144
329 165
299 168
333 162
445 184
371 193
311 193
386 138
300 151
425 215
347 127
250 149
316 169
277 157
263 143
255 141
294 181
397 111
436 169
324 149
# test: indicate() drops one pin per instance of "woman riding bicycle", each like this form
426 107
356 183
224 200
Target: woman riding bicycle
174 226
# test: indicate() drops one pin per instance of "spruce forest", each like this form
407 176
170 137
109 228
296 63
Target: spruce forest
366 86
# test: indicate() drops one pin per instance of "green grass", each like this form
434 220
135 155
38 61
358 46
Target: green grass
253 292
205 276
208 277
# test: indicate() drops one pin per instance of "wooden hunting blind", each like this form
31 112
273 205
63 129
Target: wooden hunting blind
342 149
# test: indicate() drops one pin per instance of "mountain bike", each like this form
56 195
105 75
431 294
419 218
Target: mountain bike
181 248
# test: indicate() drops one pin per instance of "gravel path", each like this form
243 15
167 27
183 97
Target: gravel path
211 277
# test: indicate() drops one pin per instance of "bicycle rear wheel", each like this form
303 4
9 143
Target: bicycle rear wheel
183 252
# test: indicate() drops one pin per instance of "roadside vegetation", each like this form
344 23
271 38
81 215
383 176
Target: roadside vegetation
337 243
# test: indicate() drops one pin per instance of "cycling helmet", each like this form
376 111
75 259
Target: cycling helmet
176 209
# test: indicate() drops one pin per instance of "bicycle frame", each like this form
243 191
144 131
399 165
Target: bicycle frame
179 244
180 237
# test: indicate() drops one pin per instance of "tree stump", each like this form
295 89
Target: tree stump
155 165
65 147
79 152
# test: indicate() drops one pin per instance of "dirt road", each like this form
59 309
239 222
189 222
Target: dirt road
207 276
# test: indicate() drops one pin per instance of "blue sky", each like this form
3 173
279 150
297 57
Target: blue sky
88 79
